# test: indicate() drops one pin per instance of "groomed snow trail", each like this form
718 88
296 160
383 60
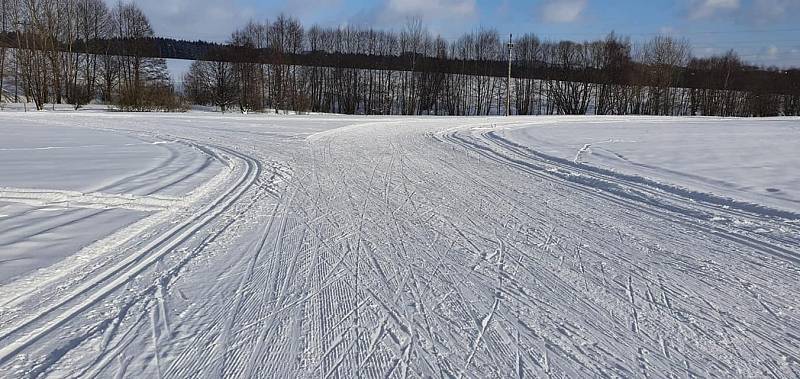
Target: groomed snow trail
410 247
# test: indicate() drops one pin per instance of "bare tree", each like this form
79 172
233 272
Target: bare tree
249 76
93 26
212 83
33 22
571 94
613 63
285 38
528 57
143 81
78 49
5 29
663 58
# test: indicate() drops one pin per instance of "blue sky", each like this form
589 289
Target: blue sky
761 31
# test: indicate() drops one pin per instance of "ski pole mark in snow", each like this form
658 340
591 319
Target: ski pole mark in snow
585 149
413 247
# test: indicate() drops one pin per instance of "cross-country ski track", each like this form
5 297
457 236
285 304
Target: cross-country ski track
350 246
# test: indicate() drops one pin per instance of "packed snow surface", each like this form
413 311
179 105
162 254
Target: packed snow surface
207 245
750 161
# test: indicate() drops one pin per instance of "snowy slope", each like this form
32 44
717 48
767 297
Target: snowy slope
752 160
39 153
64 187
410 247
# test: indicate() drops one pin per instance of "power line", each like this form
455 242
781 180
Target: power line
723 46
772 55
753 41
678 33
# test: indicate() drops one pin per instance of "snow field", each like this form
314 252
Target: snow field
414 247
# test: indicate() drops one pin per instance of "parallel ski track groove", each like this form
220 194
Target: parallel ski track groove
133 265
775 250
655 191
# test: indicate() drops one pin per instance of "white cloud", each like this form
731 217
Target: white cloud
308 10
709 8
426 9
772 51
761 12
562 11
764 11
213 20
439 16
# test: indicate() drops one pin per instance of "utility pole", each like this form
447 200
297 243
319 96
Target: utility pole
20 25
508 80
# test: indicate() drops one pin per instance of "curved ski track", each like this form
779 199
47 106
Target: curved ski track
407 247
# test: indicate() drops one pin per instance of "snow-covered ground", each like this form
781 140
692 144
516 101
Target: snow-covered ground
206 245
754 161
64 186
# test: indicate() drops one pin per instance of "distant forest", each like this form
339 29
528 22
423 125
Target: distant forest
81 51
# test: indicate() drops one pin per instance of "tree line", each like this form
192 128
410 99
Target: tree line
76 51
41 58
282 65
